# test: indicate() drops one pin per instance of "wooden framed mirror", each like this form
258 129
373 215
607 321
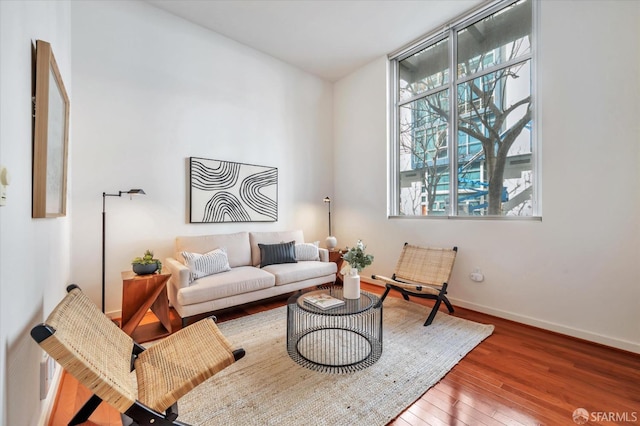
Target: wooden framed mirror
50 136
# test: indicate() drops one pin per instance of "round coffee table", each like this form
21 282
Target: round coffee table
342 339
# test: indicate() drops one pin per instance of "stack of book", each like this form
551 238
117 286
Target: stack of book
323 301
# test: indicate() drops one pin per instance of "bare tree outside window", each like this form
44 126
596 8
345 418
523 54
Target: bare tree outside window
423 139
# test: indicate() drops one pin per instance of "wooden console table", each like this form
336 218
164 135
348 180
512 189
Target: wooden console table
335 256
141 293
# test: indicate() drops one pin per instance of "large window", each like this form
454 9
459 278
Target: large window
463 119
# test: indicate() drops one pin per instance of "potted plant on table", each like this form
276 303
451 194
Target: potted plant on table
146 264
356 260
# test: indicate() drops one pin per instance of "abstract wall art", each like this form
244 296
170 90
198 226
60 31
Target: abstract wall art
226 191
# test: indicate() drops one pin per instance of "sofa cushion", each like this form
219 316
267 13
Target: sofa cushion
201 265
286 273
307 251
256 238
243 279
273 254
236 245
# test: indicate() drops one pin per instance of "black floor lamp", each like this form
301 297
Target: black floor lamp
104 196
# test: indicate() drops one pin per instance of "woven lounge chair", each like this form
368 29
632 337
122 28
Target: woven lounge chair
91 348
422 272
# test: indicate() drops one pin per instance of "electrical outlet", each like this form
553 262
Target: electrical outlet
476 275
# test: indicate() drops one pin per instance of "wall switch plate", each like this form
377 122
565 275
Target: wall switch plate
5 179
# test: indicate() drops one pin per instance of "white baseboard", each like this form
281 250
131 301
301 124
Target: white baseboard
46 408
545 325
371 281
114 314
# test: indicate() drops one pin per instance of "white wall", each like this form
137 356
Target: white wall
34 253
576 272
153 90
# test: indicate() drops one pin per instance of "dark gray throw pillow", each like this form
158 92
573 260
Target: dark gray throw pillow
273 254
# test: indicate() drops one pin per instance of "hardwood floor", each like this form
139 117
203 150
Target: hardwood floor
520 375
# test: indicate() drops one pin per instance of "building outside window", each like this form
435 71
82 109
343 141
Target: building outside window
463 118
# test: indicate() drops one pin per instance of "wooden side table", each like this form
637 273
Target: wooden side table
336 257
141 293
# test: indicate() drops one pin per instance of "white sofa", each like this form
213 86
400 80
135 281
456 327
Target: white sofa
245 279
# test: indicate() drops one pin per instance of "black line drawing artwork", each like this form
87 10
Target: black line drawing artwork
225 191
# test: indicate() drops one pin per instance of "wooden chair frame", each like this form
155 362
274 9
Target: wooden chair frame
422 272
90 347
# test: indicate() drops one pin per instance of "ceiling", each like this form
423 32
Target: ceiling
327 38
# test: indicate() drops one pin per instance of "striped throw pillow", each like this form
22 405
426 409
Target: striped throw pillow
273 254
201 265
307 251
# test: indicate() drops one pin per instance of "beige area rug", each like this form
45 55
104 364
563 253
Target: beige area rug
266 387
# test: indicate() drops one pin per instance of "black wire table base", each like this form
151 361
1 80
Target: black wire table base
344 339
